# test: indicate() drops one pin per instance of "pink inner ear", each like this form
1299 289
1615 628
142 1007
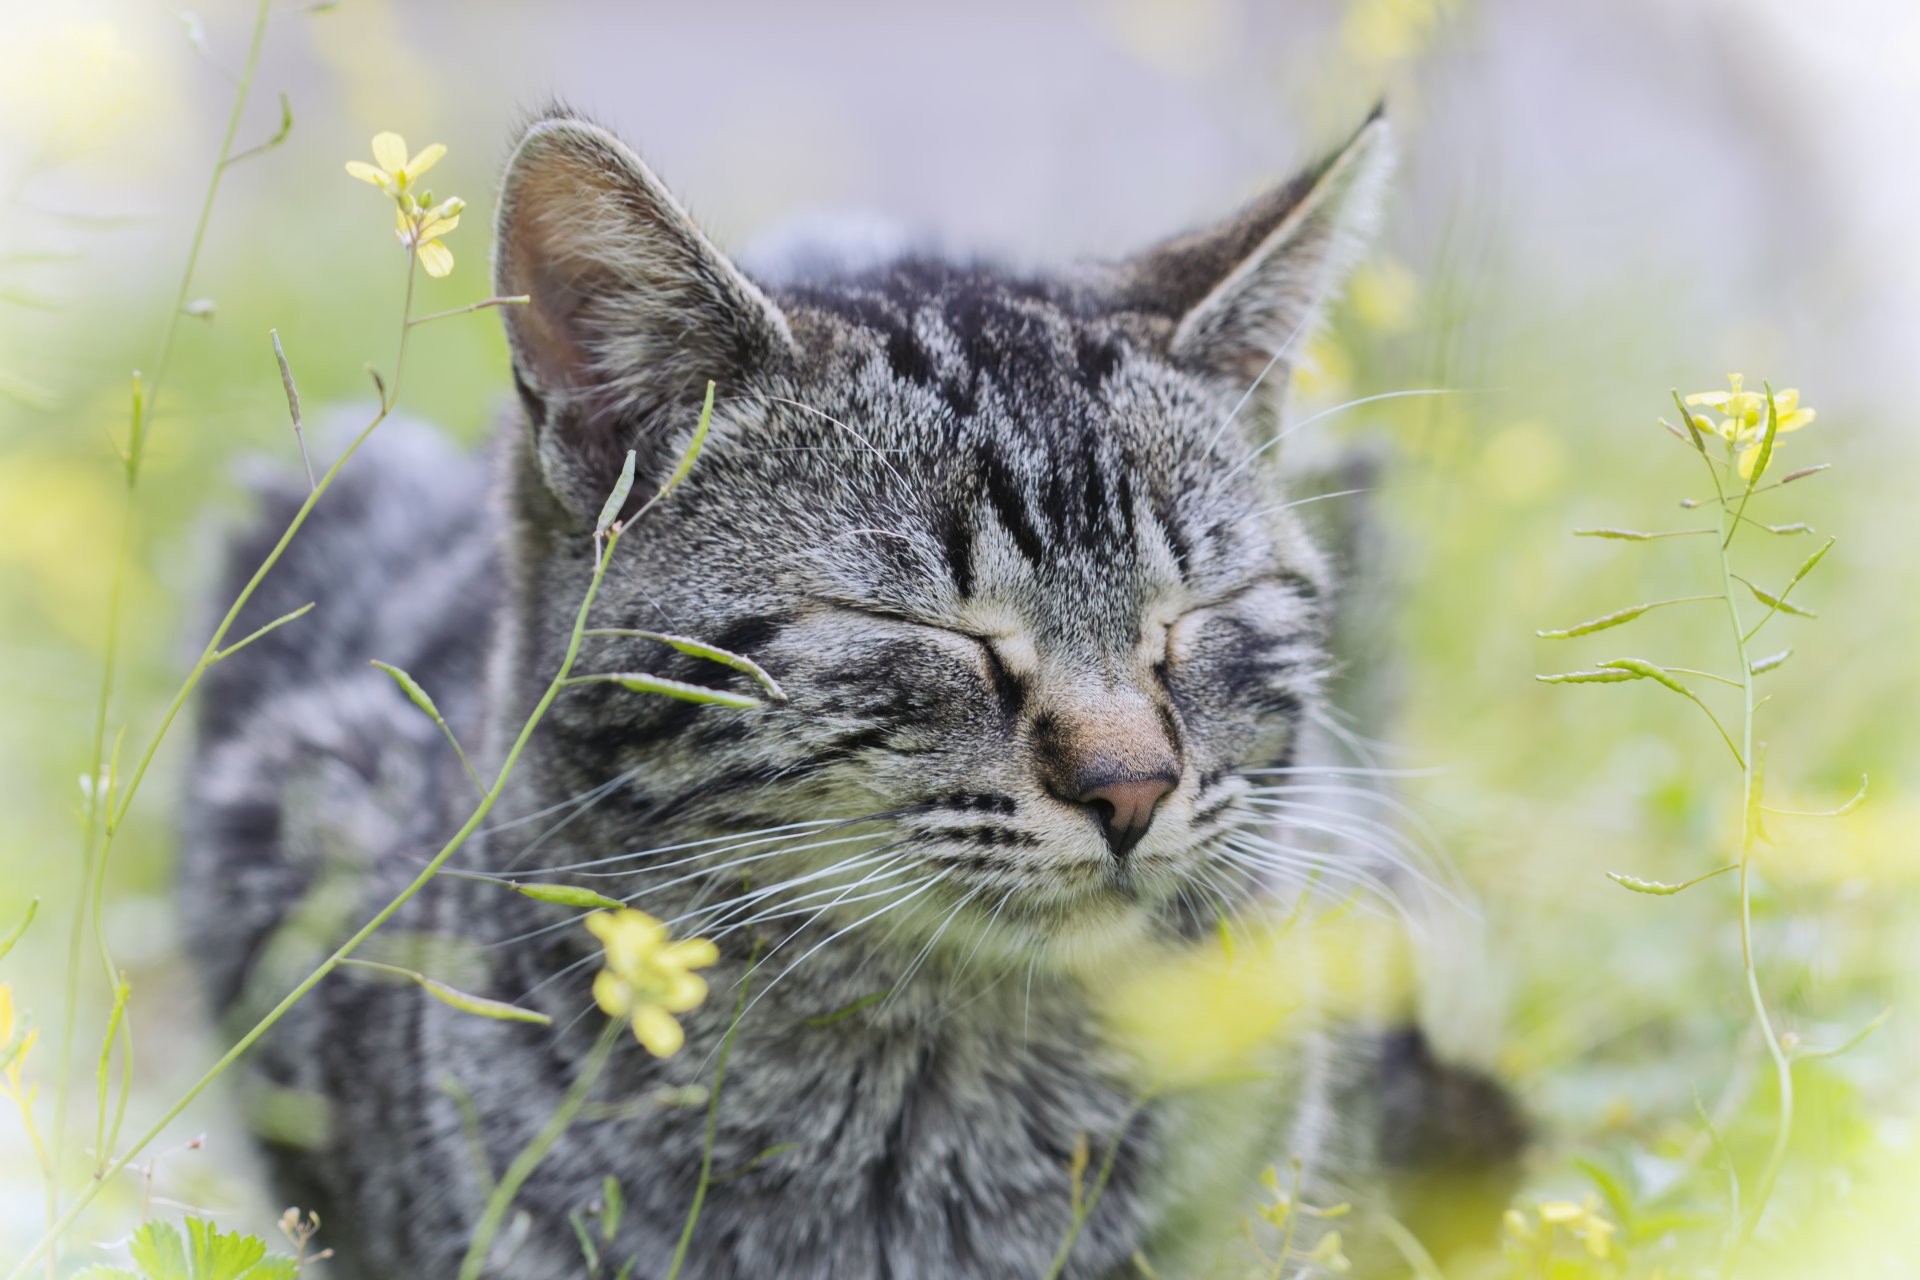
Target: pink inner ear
548 326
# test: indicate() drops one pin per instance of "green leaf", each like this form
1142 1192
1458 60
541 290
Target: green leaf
1587 677
214 1255
33 909
411 687
1801 474
610 510
612 1205
1766 443
1779 603
568 895
1601 623
1644 670
1620 617
701 649
1693 428
694 445
159 1252
641 682
1635 535
286 122
1859 798
1660 889
1807 567
479 1006
1619 1198
828 1019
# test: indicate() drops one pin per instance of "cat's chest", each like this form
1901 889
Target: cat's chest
948 1150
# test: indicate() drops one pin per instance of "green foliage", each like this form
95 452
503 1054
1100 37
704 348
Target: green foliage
159 1253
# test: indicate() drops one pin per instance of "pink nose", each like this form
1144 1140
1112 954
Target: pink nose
1125 807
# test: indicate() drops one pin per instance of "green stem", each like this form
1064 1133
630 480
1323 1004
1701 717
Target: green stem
1093 1193
713 1121
93 854
367 930
535 1151
1749 805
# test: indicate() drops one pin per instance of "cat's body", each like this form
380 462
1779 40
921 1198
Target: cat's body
1007 545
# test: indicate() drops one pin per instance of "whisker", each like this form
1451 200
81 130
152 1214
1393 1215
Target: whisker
1259 378
1318 497
1284 858
746 838
1395 851
704 872
960 972
807 408
1246 462
815 914
1026 1016
927 950
929 883
875 863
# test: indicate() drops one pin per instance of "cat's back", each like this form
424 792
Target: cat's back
307 755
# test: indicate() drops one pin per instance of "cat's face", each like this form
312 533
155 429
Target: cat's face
1015 550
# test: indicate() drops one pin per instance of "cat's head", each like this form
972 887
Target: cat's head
1016 548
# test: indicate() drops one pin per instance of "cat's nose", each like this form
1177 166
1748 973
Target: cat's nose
1124 804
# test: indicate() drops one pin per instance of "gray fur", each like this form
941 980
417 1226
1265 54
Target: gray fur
981 527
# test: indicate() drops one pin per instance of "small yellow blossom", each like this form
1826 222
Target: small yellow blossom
1583 1221
420 230
12 1054
647 977
419 222
1326 1254
395 174
1743 423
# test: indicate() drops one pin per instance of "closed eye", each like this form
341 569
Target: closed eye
1008 689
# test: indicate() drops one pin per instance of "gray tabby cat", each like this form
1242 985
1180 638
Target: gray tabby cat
1013 548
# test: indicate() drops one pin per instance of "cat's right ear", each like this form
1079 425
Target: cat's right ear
631 309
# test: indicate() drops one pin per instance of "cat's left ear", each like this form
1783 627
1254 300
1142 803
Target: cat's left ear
1243 291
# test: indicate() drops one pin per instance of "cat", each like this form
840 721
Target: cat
1012 545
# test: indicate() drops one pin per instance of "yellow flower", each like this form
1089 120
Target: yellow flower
419 221
14 1055
420 230
1583 1221
1743 423
1326 1254
395 173
647 977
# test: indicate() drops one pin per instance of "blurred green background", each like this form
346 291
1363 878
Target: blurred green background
1600 200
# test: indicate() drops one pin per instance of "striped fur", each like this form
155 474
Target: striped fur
990 532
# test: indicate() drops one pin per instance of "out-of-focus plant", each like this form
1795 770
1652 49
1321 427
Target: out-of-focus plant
110 792
1736 441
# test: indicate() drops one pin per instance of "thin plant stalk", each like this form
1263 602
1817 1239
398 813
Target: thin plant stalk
93 849
713 1121
1749 809
347 948
1094 1192
535 1151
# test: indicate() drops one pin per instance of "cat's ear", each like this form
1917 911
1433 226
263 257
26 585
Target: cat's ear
1243 291
631 309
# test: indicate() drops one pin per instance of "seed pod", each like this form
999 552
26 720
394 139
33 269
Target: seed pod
479 1006
610 510
1587 677
1773 601
568 895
